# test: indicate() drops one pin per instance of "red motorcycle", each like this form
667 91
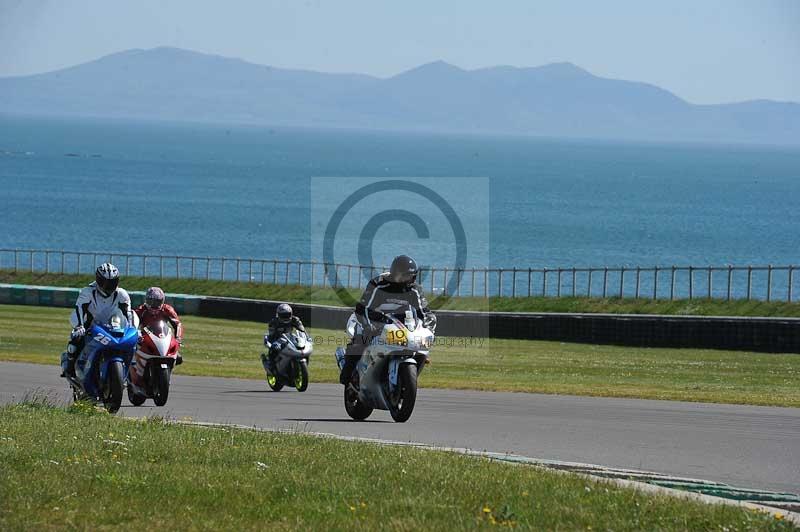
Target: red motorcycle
152 365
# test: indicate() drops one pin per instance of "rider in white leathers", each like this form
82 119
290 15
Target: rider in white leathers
96 302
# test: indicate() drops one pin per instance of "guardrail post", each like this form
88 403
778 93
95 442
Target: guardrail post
769 281
691 282
730 278
605 281
621 281
655 283
791 282
589 284
638 273
710 280
514 282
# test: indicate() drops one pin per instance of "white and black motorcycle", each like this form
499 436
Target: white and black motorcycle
386 374
291 362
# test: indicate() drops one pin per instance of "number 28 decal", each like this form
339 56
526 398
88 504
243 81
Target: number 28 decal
102 339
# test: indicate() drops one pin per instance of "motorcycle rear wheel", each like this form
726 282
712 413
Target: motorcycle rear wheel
160 386
301 376
407 380
112 397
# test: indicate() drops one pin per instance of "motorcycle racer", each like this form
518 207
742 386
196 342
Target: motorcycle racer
282 323
397 285
96 302
155 309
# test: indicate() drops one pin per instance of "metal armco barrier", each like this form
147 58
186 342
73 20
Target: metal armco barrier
769 335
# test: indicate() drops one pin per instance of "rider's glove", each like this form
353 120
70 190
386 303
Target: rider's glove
179 340
78 332
267 343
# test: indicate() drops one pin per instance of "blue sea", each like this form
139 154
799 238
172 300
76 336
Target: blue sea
250 192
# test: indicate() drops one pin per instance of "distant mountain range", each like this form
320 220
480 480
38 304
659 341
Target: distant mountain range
558 100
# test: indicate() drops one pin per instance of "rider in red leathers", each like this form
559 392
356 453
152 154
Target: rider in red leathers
155 310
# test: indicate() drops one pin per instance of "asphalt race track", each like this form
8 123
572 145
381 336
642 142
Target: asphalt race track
746 446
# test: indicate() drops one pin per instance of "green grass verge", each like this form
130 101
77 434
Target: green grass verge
96 471
326 296
227 348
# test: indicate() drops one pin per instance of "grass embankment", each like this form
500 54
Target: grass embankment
97 471
326 296
227 348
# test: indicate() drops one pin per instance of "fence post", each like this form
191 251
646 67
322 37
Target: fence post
605 281
558 288
349 273
459 274
499 282
31 259
486 283
769 280
672 284
749 281
208 267
638 273
730 277
472 285
529 282
16 261
710 280
514 282
655 283
274 272
62 262
621 281
177 267
222 273
127 263
286 274
313 267
589 284
573 281
789 292
160 267
46 262
544 282
691 282
433 270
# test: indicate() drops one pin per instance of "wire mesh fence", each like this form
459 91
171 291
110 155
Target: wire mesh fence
757 282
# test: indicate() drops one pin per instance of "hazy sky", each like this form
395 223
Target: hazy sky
706 52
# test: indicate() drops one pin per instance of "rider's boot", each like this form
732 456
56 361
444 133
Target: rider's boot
68 358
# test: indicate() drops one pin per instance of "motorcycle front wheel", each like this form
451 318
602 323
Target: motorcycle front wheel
354 407
160 385
134 398
403 403
274 384
301 376
112 398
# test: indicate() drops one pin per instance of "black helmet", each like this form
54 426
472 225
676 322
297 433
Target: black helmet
107 278
403 270
284 313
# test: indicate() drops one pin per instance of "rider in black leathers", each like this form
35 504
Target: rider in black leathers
398 285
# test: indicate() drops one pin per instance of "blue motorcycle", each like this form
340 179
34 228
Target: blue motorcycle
102 365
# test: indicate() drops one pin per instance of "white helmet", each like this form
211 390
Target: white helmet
107 278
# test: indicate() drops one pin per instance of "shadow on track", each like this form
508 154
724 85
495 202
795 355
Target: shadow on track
333 420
